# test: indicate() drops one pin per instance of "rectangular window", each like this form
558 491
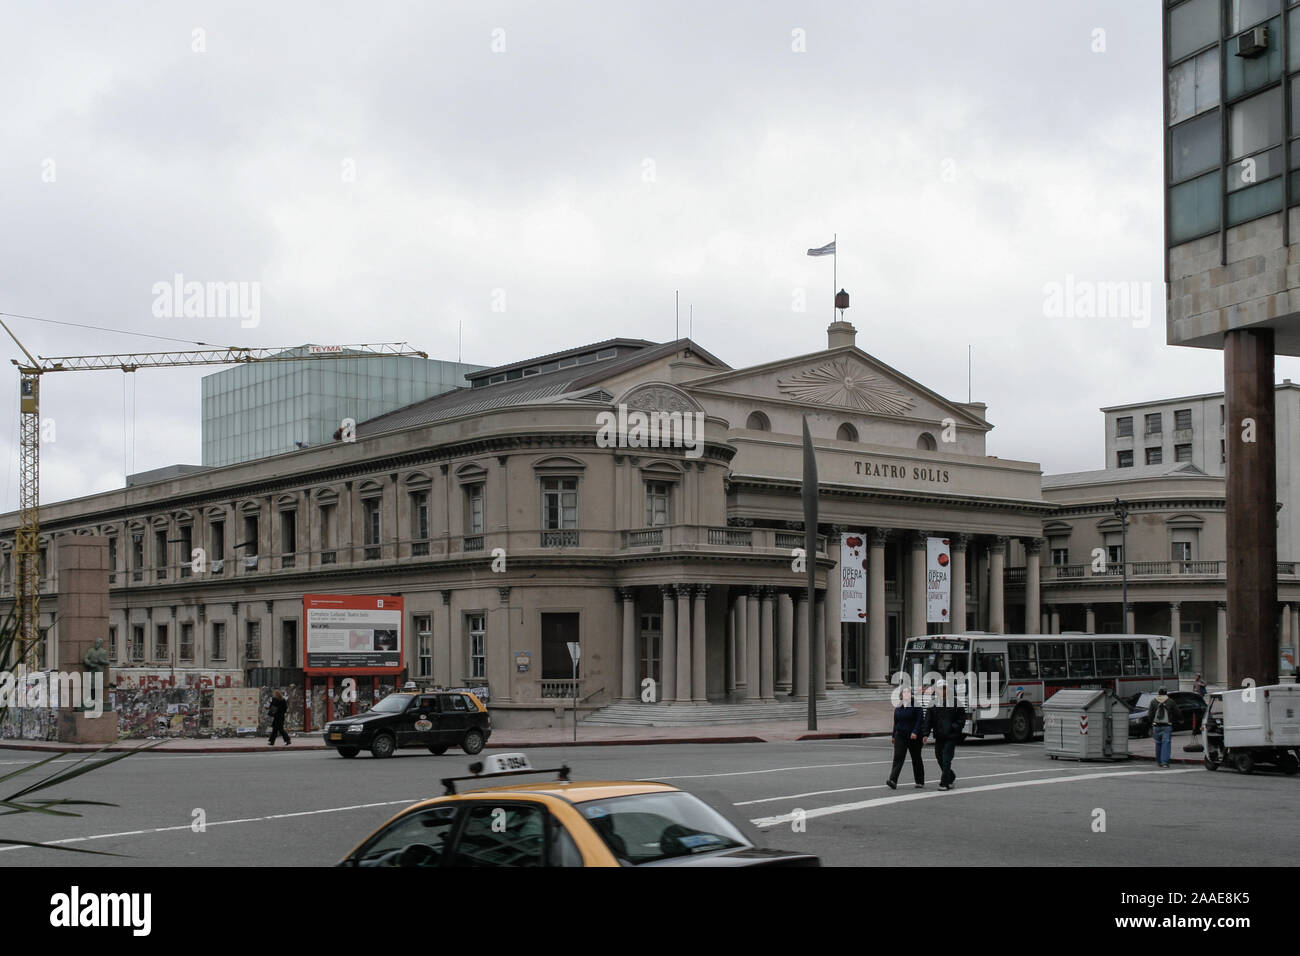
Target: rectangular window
1192 26
1194 147
112 558
249 546
1023 661
1254 169
558 631
420 516
1154 423
187 551
424 645
1182 453
1060 556
1108 663
1247 13
1255 124
137 643
1182 419
1124 459
186 647
218 641
112 644
1115 556
160 552
1051 659
1180 550
559 503
252 641
137 556
218 535
656 503
1154 456
1221 416
288 532
477 646
289 643
160 649
1243 74
1194 208
474 509
371 527
1223 451
1124 427
1194 86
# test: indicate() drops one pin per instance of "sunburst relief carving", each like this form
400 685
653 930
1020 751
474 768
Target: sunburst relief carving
839 383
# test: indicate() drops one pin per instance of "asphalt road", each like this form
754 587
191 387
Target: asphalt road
1012 805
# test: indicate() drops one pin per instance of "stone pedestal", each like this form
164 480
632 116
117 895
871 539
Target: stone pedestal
82 563
76 727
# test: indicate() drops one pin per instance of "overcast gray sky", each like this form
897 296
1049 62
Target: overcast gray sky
388 170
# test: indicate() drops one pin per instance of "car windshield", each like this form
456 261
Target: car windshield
647 827
392 704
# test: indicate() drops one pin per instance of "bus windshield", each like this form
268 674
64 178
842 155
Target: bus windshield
917 664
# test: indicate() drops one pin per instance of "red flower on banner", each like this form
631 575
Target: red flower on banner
943 560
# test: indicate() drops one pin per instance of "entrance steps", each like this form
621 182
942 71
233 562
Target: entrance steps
637 714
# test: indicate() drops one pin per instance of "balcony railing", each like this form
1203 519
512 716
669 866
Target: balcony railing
328 557
560 688
1148 569
559 539
649 537
419 549
475 542
372 552
287 560
732 537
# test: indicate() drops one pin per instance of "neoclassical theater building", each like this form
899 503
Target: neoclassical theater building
511 525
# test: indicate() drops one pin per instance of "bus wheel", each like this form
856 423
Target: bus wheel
1290 765
1245 762
1022 726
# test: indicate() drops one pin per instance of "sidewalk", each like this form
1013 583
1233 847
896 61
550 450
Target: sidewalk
870 719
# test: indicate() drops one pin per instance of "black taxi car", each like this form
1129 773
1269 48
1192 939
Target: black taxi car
432 719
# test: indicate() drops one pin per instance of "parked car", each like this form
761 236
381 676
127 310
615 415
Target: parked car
562 823
1189 706
435 720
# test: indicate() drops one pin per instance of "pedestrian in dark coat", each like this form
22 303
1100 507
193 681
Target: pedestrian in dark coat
946 721
908 736
277 707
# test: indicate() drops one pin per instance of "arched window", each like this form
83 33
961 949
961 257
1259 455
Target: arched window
758 422
926 442
847 433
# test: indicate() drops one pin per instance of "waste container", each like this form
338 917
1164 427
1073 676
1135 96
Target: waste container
1085 725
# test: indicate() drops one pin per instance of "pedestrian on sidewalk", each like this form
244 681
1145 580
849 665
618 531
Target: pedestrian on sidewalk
909 732
277 707
947 720
1199 686
1164 714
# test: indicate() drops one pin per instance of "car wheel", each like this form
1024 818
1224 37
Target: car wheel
473 741
437 749
349 751
1290 765
1245 762
383 746
1211 763
1022 726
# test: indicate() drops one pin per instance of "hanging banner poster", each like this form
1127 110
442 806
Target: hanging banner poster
853 578
938 578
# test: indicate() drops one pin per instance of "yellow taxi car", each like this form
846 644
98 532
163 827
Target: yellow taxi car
562 823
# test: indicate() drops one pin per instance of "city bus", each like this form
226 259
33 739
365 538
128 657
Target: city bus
1029 668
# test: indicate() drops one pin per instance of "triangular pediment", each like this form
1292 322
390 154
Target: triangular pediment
845 379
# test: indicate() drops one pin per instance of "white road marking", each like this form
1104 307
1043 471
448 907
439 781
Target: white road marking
926 795
212 823
881 786
816 766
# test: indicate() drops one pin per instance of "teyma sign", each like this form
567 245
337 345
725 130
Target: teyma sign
352 634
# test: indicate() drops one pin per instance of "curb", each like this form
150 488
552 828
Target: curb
514 745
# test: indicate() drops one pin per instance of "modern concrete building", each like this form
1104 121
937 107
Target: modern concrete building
512 520
269 408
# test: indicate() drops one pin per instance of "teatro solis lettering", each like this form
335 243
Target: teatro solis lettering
917 473
77 909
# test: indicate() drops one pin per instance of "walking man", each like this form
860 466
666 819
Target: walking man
947 721
1164 714
909 724
278 706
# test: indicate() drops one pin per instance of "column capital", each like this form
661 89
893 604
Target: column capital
1174 605
877 537
701 590
998 544
1033 545
626 594
755 591
958 541
769 592
1220 605
668 590
916 539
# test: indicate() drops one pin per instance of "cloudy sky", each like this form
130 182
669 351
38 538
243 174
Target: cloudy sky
389 171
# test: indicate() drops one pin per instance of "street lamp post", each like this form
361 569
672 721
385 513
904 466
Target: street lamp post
1121 512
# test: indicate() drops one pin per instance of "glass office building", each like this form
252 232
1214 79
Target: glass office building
260 409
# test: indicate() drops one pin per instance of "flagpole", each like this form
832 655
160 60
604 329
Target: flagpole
835 265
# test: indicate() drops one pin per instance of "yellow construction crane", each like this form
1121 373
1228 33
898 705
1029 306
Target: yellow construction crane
26 537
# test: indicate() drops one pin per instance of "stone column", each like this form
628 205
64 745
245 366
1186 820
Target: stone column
1054 613
1033 548
766 642
629 689
668 642
82 561
699 689
957 545
753 641
742 647
455 659
729 685
1283 632
1295 635
1131 624
877 652
818 659
1046 623
833 672
1175 629
684 658
916 586
785 641
997 562
799 679
1221 648
1090 619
